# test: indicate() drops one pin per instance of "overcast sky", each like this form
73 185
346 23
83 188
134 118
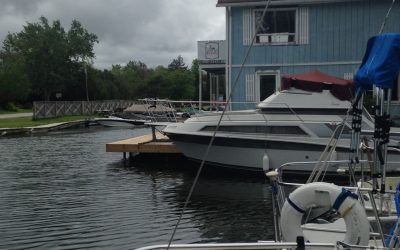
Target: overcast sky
152 31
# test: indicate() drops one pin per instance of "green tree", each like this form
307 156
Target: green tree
156 84
180 85
51 55
14 84
194 69
177 64
174 84
103 85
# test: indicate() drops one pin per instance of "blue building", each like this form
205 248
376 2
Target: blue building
296 36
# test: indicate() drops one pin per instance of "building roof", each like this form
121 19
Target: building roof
223 3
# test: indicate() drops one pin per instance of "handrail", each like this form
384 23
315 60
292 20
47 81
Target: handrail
280 194
249 246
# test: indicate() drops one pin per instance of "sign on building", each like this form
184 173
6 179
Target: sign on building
211 52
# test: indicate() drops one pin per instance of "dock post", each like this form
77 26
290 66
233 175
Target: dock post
153 133
124 155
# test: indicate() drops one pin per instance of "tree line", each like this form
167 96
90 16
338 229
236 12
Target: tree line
45 62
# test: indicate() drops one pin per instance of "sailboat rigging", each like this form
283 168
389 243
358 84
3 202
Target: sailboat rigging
381 67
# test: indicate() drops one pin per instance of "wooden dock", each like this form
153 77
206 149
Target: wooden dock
144 144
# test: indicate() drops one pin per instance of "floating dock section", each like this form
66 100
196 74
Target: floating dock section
151 143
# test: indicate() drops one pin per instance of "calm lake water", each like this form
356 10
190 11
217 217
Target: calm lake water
63 191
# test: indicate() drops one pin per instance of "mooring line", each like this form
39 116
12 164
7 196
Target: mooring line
218 125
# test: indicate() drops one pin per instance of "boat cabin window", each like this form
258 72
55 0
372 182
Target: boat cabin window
366 126
276 130
346 130
303 111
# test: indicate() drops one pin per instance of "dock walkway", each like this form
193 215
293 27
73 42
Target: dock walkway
44 128
144 144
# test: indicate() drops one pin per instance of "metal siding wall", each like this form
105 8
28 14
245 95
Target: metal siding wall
340 31
335 70
247 27
238 50
250 91
337 32
394 15
239 94
302 25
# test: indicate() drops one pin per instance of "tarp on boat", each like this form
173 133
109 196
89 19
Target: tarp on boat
316 81
381 62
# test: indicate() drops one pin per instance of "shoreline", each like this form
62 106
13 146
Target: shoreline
46 128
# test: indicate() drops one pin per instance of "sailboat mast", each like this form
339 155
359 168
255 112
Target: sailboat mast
381 135
357 107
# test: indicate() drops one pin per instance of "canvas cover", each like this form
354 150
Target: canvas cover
381 62
316 81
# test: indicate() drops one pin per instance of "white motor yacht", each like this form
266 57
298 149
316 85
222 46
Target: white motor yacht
289 126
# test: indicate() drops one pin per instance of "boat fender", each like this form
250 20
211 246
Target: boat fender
265 162
320 194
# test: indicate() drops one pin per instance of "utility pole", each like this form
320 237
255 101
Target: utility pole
86 78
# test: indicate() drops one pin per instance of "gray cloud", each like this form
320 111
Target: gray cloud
153 31
19 6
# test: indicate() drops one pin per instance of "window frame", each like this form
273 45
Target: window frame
296 24
259 74
268 130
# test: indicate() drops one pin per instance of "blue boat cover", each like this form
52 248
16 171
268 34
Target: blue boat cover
381 62
397 199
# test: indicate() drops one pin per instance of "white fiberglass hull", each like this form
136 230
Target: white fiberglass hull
289 126
249 154
247 158
118 122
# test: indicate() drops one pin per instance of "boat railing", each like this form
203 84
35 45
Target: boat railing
165 110
257 246
285 105
158 110
366 194
341 170
248 246
341 165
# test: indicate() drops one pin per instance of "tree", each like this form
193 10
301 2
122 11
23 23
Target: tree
180 85
80 43
103 85
14 84
51 55
177 63
194 69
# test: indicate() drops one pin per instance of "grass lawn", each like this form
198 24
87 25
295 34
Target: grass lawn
2 112
28 122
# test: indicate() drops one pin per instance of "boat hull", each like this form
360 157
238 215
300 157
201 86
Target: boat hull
119 122
248 154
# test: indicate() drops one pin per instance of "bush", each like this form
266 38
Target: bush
10 107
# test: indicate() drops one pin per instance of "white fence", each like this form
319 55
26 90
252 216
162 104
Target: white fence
42 110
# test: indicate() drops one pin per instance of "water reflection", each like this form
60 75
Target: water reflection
62 191
225 206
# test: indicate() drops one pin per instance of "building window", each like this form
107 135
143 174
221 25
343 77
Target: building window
277 27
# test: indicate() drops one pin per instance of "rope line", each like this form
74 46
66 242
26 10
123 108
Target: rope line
224 111
386 17
218 125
